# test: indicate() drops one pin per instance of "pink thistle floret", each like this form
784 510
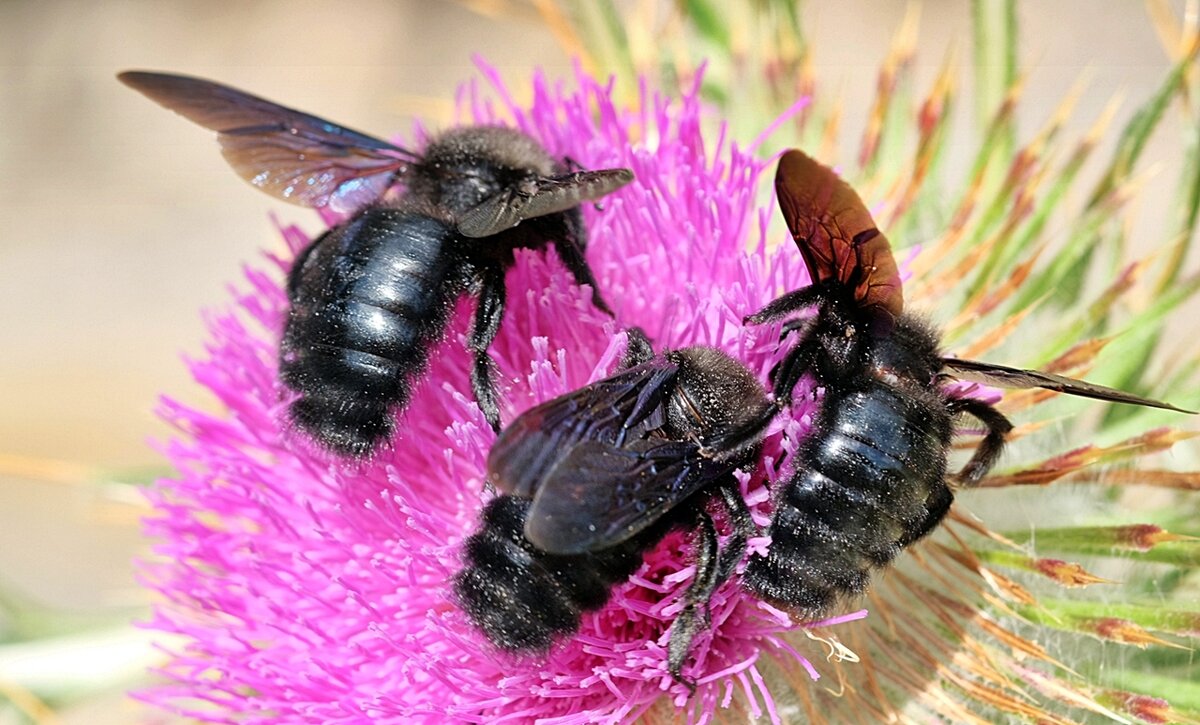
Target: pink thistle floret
311 589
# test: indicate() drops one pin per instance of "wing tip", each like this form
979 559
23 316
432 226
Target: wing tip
147 81
136 79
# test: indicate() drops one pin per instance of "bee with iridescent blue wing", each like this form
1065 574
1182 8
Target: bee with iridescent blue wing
593 479
373 294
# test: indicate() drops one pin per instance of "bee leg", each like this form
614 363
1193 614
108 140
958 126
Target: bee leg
936 507
992 444
801 359
488 313
714 566
793 301
801 324
743 528
570 241
689 620
806 354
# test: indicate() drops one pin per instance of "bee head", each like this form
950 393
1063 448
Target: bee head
465 166
715 396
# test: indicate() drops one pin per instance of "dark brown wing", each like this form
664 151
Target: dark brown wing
610 411
1006 377
836 234
539 197
289 154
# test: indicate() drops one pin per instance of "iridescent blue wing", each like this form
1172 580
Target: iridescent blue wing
612 410
1006 377
291 155
600 494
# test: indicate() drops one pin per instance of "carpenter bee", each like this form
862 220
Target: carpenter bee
370 296
593 479
871 478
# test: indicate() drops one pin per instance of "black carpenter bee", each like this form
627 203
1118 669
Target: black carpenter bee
595 478
370 296
871 477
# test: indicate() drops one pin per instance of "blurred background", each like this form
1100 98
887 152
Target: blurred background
122 223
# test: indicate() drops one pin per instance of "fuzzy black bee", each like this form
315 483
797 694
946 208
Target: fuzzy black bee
595 478
370 296
871 477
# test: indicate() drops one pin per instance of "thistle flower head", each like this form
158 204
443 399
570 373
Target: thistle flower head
314 589
1036 600
311 589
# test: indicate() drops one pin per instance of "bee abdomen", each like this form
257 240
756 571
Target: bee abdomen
869 481
523 598
367 301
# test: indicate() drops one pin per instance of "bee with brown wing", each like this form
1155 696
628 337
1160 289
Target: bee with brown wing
871 477
373 294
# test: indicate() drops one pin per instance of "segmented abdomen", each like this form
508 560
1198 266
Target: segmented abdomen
869 481
368 298
523 598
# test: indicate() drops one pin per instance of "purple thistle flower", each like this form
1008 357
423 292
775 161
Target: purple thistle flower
313 589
